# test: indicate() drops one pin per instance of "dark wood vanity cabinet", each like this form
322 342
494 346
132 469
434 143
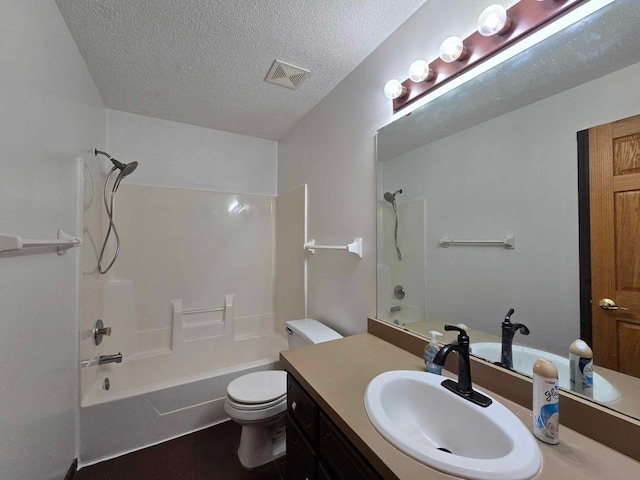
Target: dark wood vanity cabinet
316 448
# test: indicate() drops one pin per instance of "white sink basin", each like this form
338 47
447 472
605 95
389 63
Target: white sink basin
525 357
417 415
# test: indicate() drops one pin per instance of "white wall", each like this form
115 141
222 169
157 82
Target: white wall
290 227
51 118
332 149
179 155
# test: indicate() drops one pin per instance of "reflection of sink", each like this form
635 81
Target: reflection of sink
418 416
525 357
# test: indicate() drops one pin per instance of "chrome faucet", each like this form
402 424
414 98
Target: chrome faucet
115 358
102 359
508 331
463 386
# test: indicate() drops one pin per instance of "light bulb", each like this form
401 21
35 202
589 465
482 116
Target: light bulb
394 89
452 49
419 71
493 21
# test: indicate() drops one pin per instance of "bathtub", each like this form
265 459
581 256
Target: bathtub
154 398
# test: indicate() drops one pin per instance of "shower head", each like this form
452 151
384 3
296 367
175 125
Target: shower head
125 168
391 197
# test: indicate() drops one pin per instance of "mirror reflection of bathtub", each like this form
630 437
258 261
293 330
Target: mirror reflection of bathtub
525 357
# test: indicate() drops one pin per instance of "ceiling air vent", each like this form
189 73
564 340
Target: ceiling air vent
286 75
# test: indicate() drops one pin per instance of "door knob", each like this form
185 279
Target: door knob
608 304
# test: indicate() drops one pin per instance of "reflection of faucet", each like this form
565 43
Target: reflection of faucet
395 309
508 331
463 387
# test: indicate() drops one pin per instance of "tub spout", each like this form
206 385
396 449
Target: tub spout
115 358
101 360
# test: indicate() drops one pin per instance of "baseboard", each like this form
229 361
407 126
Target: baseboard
73 469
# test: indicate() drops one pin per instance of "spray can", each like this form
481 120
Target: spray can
581 368
546 406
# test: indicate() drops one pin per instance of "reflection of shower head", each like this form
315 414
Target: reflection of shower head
391 197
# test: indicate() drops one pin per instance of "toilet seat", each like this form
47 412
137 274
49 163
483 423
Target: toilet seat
257 413
256 406
258 387
257 396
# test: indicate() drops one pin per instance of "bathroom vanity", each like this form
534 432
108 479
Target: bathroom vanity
329 435
315 446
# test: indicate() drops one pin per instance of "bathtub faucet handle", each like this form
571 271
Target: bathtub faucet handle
99 330
105 331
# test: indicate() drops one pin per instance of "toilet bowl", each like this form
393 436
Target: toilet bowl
258 401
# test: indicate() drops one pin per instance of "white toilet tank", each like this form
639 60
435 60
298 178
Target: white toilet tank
309 331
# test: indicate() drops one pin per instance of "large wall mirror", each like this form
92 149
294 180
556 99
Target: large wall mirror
497 160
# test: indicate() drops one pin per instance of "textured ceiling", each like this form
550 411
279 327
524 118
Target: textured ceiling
203 61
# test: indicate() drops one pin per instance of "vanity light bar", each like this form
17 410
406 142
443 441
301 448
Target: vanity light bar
523 18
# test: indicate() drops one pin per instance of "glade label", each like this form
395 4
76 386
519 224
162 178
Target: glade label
553 393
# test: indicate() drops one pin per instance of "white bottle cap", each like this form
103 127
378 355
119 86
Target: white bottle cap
581 349
434 335
545 368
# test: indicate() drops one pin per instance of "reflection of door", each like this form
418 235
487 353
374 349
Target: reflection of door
614 173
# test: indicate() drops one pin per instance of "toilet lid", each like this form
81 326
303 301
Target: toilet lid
257 406
258 387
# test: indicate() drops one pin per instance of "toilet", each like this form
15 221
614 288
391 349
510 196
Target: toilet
258 401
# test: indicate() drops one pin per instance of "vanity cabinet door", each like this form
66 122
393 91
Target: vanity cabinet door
341 458
302 408
301 459
323 473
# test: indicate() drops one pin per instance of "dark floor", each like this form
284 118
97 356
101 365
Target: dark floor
209 454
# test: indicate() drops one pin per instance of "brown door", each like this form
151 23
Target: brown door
614 174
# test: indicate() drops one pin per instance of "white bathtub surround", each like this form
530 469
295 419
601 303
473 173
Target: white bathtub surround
197 246
214 323
182 250
154 398
160 340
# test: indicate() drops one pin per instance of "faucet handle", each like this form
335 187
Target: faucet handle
507 318
462 333
99 330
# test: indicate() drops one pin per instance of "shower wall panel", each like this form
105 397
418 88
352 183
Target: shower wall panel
197 246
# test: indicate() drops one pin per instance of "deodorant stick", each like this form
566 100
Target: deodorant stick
546 411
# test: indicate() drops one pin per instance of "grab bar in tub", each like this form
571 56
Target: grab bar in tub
203 310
